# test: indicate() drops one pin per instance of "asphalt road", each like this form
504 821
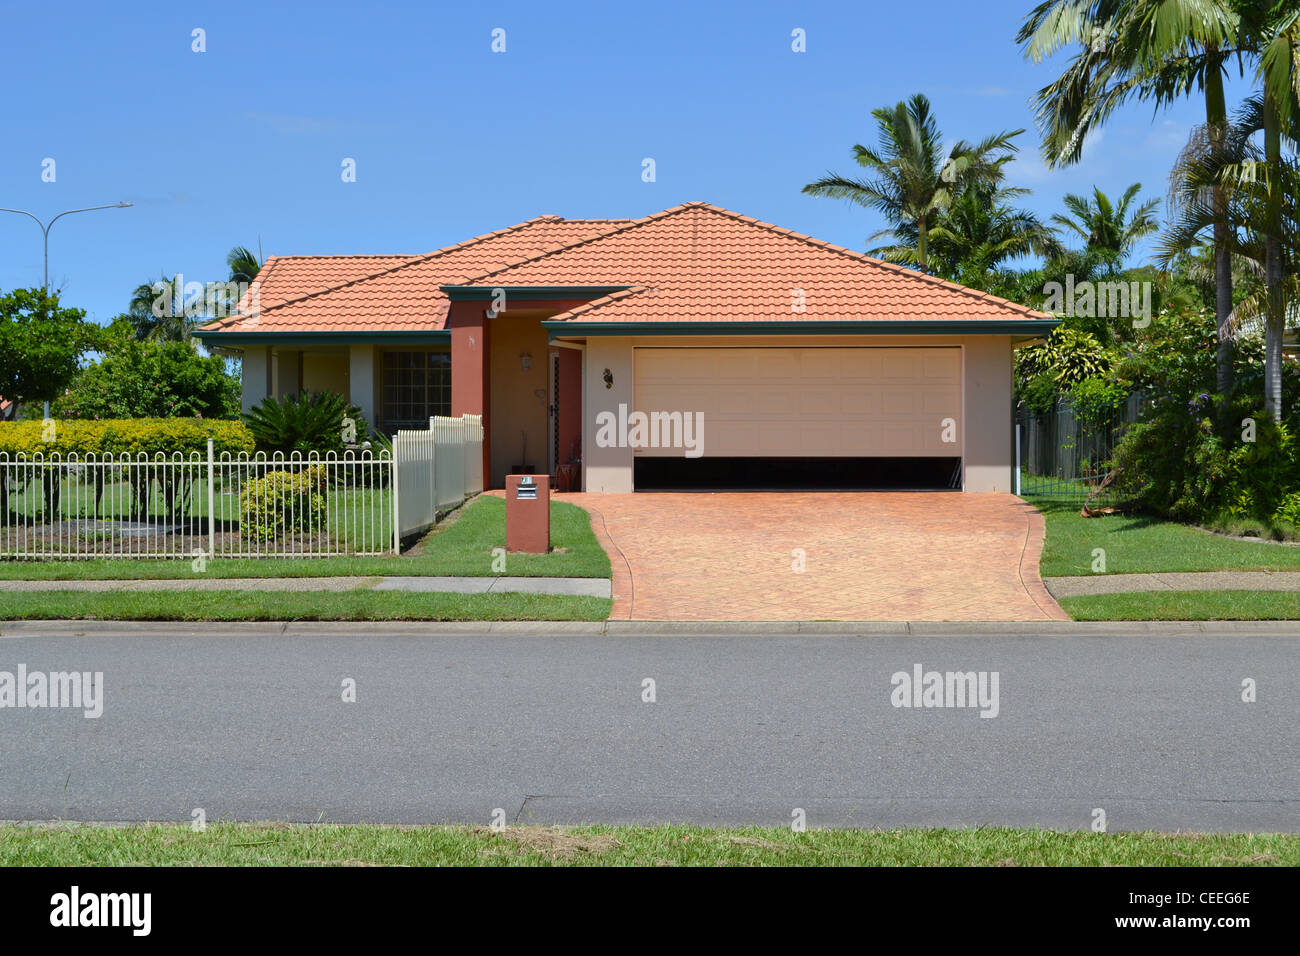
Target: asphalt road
250 724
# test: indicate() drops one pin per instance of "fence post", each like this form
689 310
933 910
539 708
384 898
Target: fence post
212 501
397 511
1017 478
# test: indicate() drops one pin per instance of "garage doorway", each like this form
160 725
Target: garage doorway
797 474
825 418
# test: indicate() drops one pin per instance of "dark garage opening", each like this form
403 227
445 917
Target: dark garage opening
790 474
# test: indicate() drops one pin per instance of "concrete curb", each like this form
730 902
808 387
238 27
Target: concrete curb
411 584
920 629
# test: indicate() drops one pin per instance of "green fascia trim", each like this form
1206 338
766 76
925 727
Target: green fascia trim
561 329
461 293
217 337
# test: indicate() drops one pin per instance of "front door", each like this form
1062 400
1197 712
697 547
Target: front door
552 412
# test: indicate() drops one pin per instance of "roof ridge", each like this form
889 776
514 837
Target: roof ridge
779 230
415 260
630 224
871 260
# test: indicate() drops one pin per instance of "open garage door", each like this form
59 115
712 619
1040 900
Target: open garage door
806 417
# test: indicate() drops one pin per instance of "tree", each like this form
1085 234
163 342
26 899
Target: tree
243 265
912 180
41 344
152 378
977 235
1109 230
1273 29
1203 167
158 312
1151 50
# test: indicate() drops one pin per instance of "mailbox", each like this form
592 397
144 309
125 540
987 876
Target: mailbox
528 513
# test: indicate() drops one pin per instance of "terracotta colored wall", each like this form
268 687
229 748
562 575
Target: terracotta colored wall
472 360
570 423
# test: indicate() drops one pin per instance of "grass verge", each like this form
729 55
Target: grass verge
460 547
297 606
1185 606
1136 544
330 845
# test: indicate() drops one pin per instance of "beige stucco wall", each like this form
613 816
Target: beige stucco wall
517 409
988 413
986 396
255 376
363 380
325 372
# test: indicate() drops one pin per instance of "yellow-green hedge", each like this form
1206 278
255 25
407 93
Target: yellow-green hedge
124 436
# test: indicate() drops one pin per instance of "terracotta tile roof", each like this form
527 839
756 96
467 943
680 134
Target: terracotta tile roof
698 262
694 262
390 293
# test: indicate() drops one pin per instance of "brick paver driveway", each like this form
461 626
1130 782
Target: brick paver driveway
895 556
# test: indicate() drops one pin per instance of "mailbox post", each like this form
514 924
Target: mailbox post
528 513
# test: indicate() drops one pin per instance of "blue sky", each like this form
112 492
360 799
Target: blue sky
246 140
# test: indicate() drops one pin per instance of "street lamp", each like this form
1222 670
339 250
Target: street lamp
45 227
45 231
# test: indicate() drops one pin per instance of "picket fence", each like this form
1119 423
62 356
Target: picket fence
436 470
245 506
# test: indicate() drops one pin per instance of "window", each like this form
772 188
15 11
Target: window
416 385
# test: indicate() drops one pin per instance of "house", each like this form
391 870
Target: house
791 361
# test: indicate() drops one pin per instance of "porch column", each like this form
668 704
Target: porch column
361 381
254 376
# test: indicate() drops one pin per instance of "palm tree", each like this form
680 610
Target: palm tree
1204 166
1273 30
1151 50
157 311
976 236
912 180
243 265
1107 229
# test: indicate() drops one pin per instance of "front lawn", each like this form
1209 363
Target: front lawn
297 606
1185 606
460 546
1141 543
331 845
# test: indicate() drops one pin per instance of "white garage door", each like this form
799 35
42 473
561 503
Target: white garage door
808 402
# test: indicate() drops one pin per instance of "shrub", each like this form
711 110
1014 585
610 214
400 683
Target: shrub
304 423
1289 509
283 501
1096 400
129 436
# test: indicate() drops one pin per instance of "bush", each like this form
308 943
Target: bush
1096 400
305 424
1289 509
151 380
283 501
131 436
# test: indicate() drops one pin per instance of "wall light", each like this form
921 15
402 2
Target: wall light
525 360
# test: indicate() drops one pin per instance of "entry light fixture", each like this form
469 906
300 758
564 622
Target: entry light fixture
525 360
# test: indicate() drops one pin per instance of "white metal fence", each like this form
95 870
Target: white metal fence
195 506
203 506
436 470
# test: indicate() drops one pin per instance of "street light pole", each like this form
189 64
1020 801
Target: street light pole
45 232
45 228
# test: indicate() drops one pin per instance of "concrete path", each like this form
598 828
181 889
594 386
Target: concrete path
1192 581
250 723
855 556
588 587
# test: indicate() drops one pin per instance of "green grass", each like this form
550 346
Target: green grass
1185 606
329 845
461 547
1143 544
297 606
